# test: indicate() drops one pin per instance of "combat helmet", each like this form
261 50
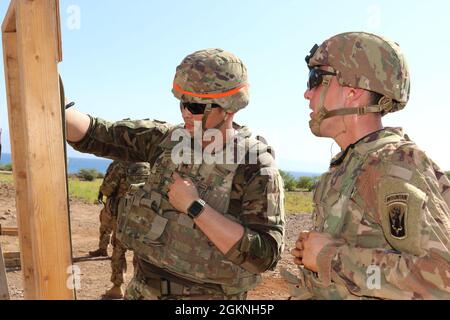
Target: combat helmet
367 61
212 76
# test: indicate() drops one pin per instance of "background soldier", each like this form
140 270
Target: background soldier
382 219
198 230
118 178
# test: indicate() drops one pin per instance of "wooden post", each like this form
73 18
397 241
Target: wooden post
17 136
4 292
31 54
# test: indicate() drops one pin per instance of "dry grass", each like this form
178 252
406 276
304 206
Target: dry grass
83 190
296 202
299 202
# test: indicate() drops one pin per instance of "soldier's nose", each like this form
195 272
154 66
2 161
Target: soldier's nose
308 94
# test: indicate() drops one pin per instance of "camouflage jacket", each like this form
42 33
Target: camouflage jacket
115 182
387 205
118 178
256 198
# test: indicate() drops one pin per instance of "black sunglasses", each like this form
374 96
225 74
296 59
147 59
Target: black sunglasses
316 77
197 108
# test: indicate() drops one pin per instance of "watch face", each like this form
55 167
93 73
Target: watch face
196 208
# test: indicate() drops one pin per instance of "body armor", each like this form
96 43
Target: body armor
168 239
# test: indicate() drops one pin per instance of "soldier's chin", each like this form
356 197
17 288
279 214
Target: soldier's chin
315 129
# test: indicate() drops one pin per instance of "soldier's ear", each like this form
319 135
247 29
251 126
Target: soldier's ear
353 96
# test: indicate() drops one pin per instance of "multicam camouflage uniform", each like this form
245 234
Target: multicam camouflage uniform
383 200
175 260
118 178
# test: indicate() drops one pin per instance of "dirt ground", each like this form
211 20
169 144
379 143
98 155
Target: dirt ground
95 273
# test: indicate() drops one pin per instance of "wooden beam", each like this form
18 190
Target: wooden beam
12 259
43 149
11 255
16 117
4 292
9 231
9 23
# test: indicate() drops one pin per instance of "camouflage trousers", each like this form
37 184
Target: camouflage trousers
106 228
118 261
141 288
108 224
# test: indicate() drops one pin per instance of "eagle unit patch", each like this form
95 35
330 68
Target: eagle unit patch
397 208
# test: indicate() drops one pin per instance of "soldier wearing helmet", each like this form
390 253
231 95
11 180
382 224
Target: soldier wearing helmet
119 177
381 217
200 230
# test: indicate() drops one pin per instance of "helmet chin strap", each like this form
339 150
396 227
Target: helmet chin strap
321 115
384 105
208 110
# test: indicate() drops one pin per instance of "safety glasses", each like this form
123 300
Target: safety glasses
316 77
196 108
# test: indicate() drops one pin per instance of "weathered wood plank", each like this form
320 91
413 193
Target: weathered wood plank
4 292
9 231
16 117
41 144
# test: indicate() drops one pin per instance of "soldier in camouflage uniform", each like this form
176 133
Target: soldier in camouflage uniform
119 177
199 229
112 186
381 218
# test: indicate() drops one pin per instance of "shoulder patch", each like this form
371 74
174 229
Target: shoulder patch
397 208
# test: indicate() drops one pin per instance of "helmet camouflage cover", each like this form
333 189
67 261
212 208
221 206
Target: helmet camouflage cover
212 76
366 61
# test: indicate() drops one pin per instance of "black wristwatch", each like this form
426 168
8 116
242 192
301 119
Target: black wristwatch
196 209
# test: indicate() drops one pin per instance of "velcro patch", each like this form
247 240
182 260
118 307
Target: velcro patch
397 207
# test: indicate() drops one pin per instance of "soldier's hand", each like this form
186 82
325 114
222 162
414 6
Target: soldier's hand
182 193
312 246
298 251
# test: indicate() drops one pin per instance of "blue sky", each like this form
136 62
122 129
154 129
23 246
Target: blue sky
120 58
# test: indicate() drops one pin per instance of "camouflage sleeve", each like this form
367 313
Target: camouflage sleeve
123 140
412 208
111 183
261 208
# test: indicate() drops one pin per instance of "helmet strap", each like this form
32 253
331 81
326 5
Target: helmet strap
206 115
385 105
317 119
208 110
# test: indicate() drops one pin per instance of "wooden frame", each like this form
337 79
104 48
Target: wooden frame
9 231
4 292
32 50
